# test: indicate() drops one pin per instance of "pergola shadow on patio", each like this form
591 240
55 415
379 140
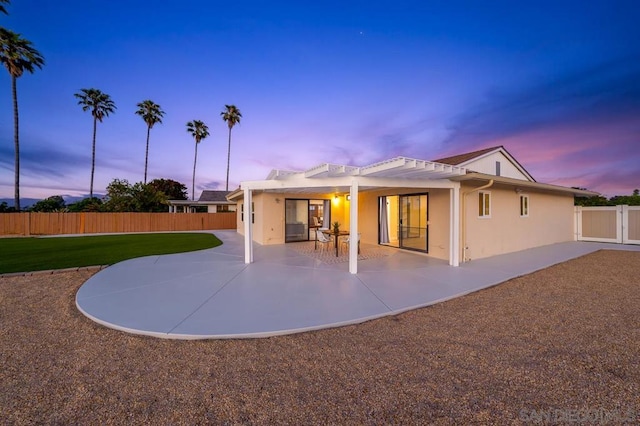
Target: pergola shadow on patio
214 294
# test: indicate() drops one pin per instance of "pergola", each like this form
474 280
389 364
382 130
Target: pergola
399 172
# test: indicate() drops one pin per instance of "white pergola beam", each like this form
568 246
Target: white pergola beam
353 231
248 226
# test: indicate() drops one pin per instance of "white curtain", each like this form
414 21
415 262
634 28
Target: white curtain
326 213
384 221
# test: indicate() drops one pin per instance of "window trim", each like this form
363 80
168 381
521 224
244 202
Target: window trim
524 208
486 204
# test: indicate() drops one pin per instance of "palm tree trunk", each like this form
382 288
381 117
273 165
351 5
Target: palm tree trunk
16 143
228 159
93 156
193 181
146 155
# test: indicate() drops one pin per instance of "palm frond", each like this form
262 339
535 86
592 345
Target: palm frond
18 54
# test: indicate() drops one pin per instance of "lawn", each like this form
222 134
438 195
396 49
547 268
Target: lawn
38 254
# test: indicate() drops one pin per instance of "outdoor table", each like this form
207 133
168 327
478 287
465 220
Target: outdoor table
329 232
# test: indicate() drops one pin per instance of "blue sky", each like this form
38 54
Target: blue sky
557 83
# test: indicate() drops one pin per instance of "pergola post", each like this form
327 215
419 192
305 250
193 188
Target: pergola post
353 237
454 225
248 227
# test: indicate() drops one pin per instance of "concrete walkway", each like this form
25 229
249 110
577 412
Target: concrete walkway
214 294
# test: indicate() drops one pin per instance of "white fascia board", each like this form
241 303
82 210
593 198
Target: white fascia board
345 181
298 182
280 174
404 183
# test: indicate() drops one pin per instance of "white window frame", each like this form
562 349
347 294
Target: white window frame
525 206
482 196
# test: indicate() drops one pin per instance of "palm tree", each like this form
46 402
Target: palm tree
232 116
101 106
17 55
151 114
199 131
2 9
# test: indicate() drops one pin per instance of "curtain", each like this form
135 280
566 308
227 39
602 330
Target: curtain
326 212
384 221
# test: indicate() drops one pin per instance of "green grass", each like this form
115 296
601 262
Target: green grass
38 254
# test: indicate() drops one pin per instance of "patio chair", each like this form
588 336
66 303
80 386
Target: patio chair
346 241
323 240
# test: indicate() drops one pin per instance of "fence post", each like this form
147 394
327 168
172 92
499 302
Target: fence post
620 223
625 224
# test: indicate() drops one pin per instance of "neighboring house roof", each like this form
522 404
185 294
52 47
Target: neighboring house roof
207 198
209 195
468 160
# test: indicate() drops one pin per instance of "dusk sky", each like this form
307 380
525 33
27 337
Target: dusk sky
351 82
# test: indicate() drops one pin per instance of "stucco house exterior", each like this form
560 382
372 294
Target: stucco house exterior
214 201
459 208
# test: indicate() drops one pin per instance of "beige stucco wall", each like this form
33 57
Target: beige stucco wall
550 221
438 218
268 226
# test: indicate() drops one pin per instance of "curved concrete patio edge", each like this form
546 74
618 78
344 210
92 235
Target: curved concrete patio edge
212 294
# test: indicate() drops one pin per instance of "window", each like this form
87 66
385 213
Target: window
484 204
524 205
253 216
497 168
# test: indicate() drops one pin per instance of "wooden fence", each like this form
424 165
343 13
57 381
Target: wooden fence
608 224
14 224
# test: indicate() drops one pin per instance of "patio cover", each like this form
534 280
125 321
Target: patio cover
399 172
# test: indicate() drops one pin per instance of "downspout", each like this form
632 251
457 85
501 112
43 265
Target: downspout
464 214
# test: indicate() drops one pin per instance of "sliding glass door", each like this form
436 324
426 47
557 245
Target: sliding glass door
303 217
413 222
296 220
403 221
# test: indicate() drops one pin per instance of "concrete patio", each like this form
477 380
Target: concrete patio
214 294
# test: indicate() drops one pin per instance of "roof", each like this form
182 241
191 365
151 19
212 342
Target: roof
213 196
207 198
523 184
463 158
395 172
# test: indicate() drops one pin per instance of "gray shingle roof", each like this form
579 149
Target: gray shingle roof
208 195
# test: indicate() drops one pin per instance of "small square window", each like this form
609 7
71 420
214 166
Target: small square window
524 205
484 204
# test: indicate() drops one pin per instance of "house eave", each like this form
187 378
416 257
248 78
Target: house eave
523 184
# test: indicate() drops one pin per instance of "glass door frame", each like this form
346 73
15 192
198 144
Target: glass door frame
398 224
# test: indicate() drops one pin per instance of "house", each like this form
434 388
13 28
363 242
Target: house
214 201
459 208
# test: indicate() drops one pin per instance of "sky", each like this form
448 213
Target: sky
557 83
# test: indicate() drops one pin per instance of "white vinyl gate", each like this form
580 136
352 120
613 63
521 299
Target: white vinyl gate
610 224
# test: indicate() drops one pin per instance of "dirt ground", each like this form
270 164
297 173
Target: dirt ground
561 342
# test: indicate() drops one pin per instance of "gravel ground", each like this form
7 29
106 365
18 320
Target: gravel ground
565 338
